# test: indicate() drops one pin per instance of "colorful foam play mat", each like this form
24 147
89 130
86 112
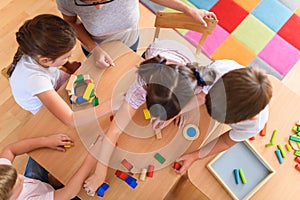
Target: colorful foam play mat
259 33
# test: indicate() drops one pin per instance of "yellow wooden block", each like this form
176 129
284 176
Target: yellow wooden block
146 113
90 87
67 146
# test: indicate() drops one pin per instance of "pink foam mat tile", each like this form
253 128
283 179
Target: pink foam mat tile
279 54
212 42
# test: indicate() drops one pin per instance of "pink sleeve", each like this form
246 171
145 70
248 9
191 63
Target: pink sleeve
136 94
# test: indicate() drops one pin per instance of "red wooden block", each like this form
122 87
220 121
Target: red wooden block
297 167
297 159
252 138
177 165
263 131
121 175
150 171
127 164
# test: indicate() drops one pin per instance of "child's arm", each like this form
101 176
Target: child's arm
73 187
24 146
121 120
60 109
216 146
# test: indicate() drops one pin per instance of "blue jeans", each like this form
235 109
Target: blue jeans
35 171
133 47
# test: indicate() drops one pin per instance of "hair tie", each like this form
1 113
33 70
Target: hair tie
163 61
200 80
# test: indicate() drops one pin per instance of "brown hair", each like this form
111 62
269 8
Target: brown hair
239 95
8 177
170 87
45 35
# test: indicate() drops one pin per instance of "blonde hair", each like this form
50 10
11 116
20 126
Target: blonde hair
239 95
8 177
170 87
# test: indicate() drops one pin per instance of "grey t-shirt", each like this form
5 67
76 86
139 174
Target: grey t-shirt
117 20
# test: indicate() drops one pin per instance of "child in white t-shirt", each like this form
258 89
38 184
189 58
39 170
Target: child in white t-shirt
16 186
45 43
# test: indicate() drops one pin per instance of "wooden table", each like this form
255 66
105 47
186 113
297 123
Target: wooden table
64 165
284 112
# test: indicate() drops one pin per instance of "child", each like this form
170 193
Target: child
16 186
232 93
45 43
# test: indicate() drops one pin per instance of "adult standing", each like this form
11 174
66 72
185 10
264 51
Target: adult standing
98 21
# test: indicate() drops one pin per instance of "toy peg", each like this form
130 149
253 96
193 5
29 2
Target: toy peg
252 138
297 166
236 176
294 138
263 131
158 133
275 133
288 147
297 159
278 154
242 175
281 150
67 146
146 113
297 153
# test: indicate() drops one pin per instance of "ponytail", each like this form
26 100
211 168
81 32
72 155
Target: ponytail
16 59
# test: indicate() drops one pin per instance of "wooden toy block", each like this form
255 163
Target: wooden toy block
297 159
281 151
236 176
70 84
95 101
131 181
80 100
278 154
252 138
111 118
67 146
158 133
298 123
127 164
242 175
177 165
159 158
80 80
102 189
297 153
121 175
288 147
298 144
146 113
263 131
294 138
86 77
297 166
90 87
294 129
143 174
150 171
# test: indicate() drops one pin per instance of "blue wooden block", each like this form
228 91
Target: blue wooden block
101 190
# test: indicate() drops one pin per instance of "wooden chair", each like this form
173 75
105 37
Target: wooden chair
184 21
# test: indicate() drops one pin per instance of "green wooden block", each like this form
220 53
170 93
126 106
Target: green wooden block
294 138
95 101
297 153
242 175
159 158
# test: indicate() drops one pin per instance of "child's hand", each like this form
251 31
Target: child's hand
92 183
187 160
179 121
58 141
102 59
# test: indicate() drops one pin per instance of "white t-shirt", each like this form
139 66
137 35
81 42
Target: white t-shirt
117 20
33 189
136 96
29 79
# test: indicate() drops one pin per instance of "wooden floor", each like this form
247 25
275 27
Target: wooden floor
12 15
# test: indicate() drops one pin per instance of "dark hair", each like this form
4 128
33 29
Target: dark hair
170 87
45 35
8 177
239 95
